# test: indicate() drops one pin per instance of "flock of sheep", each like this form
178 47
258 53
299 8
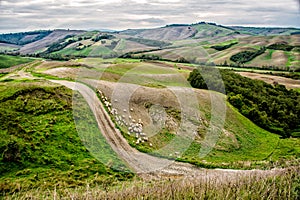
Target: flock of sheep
134 127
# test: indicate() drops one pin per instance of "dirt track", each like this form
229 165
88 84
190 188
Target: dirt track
145 165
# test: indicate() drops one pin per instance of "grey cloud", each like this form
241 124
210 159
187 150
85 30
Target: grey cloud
153 21
20 15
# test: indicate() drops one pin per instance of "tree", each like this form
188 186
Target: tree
236 101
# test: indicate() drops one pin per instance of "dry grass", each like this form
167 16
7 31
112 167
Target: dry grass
283 185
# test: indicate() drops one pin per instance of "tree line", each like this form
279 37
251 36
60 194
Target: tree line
272 107
246 56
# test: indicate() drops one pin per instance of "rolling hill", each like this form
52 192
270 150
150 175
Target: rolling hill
202 43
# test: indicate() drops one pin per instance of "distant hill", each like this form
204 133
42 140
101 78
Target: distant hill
266 31
203 30
45 42
24 37
168 33
201 43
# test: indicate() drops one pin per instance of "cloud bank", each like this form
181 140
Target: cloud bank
21 15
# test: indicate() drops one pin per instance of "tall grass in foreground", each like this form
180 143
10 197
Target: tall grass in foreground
283 184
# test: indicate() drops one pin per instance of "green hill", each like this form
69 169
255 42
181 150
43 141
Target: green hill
40 147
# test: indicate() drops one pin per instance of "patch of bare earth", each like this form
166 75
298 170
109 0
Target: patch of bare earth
63 72
45 65
289 83
279 58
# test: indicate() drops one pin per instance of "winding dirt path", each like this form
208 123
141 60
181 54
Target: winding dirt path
143 164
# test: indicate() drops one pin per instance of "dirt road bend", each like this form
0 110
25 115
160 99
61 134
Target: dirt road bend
144 164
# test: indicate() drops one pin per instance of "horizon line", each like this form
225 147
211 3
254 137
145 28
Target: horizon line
154 27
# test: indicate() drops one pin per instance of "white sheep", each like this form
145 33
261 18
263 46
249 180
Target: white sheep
143 134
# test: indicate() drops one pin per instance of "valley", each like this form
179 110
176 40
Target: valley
82 110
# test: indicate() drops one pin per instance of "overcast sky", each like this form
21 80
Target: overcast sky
21 15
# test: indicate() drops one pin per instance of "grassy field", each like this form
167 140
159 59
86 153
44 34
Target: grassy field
88 51
40 144
10 61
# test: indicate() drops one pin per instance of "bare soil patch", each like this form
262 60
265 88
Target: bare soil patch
289 83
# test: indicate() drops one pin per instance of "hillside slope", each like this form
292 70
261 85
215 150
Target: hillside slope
41 44
168 33
239 139
39 145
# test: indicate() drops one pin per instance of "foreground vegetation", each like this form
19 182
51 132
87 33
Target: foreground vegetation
282 185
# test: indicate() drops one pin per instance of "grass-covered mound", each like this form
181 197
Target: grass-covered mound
39 145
